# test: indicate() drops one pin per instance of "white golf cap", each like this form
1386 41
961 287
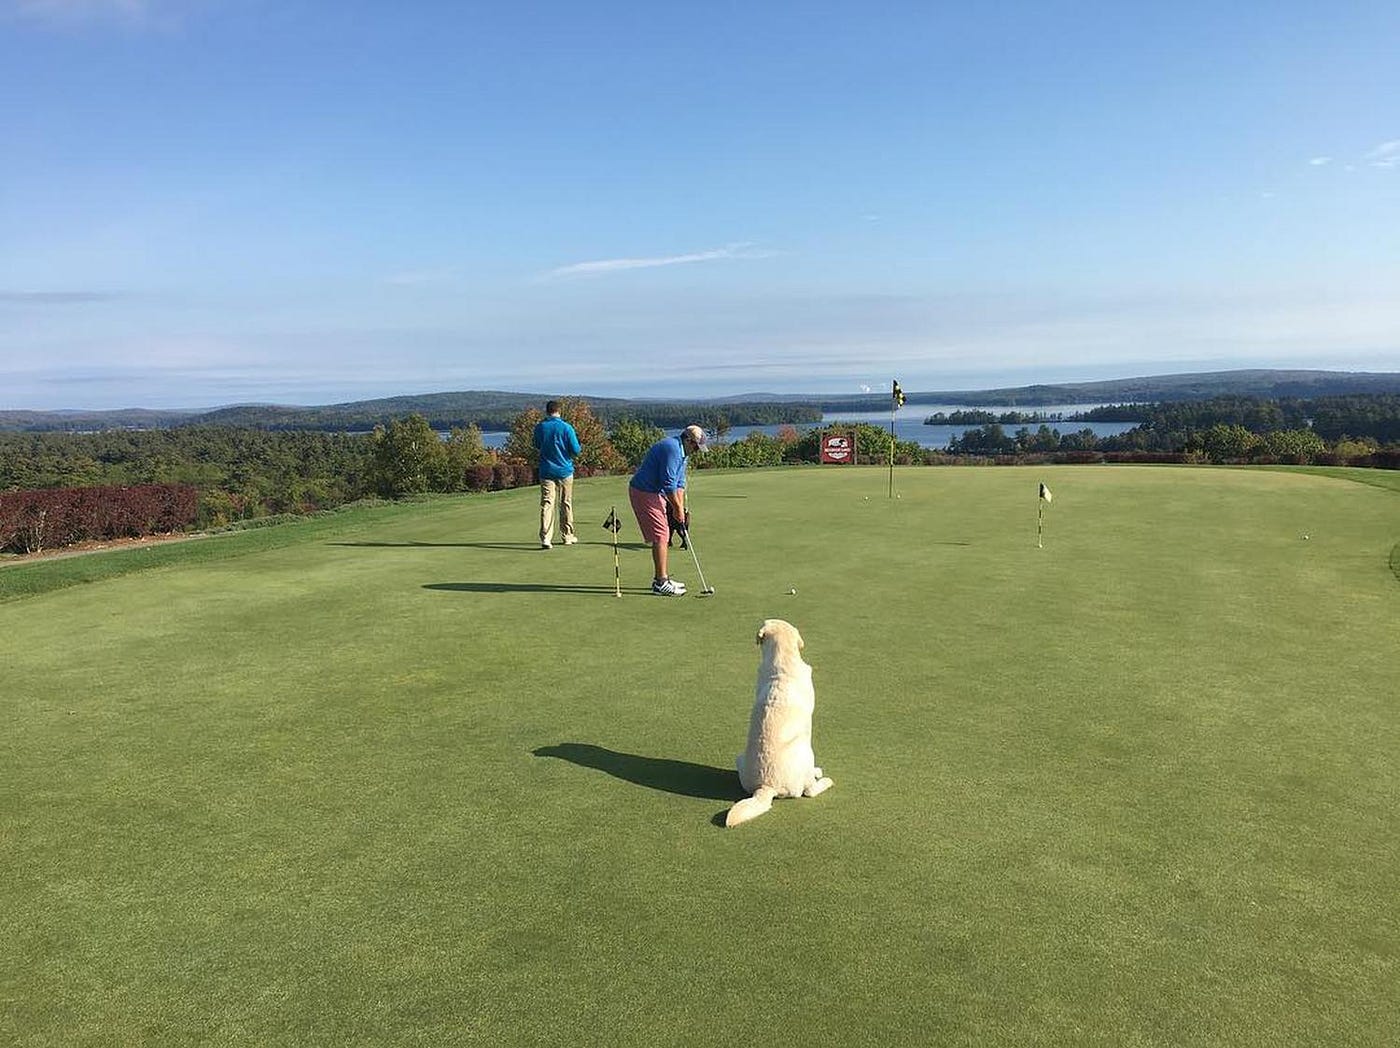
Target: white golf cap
696 435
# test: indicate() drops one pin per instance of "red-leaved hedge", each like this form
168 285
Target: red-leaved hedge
479 477
512 474
48 518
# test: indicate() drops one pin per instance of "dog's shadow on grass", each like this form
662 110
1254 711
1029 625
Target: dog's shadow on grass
656 773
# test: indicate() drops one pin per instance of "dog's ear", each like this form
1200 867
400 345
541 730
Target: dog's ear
800 642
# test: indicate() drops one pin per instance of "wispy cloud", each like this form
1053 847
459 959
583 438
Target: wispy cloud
614 265
1387 154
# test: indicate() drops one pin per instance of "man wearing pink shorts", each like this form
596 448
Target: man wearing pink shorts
660 483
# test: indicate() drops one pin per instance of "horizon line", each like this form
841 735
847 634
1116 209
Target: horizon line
749 396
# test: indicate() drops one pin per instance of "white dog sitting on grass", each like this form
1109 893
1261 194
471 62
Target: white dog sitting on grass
778 761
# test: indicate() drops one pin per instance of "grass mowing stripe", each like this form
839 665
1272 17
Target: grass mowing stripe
29 578
1389 479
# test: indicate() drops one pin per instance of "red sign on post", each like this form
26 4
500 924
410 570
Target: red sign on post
838 447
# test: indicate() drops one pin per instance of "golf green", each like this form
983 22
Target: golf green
405 778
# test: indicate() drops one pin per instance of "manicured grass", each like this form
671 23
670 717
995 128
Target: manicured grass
411 780
21 577
1381 478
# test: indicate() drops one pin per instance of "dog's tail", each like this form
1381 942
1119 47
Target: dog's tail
751 807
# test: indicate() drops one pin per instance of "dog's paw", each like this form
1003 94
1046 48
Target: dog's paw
820 786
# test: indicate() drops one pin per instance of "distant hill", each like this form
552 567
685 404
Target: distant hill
493 409
489 409
1195 386
1265 383
80 421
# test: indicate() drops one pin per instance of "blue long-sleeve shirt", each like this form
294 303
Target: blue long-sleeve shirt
558 444
662 469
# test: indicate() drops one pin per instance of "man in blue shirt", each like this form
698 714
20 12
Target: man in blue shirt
659 484
558 444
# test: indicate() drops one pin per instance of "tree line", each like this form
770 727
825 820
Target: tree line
240 473
1374 415
1221 429
982 417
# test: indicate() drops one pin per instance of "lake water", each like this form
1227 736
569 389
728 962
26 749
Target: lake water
909 423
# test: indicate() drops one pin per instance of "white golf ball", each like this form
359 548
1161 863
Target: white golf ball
792 592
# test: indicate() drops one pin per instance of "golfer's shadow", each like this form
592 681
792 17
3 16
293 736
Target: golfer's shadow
656 773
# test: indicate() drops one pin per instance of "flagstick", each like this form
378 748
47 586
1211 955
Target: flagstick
1041 499
894 406
617 570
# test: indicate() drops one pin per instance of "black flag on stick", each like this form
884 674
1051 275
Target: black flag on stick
1045 499
614 525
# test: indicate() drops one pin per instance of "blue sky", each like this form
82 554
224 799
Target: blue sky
218 201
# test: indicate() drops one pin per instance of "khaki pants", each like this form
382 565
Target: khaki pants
563 490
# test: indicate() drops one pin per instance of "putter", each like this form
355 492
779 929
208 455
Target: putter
705 591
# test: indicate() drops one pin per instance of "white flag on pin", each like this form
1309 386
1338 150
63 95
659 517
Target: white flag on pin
1045 495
